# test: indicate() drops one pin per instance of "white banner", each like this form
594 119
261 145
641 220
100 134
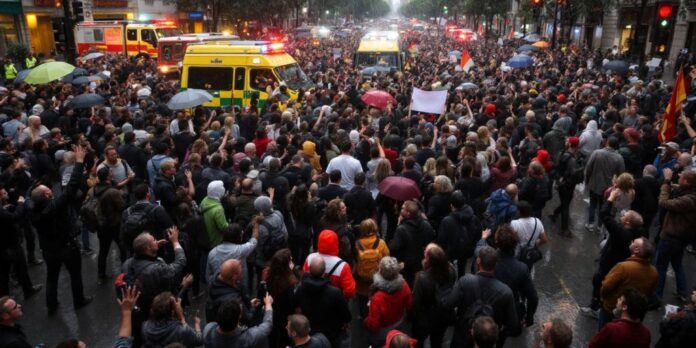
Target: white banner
430 102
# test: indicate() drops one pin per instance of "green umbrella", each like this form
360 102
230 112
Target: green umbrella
48 72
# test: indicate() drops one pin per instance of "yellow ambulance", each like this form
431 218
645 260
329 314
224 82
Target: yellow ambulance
235 71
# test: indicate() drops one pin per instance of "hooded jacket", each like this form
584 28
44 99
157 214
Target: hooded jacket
554 141
412 342
410 239
309 150
323 305
590 139
214 219
158 334
502 207
449 235
388 303
275 221
342 276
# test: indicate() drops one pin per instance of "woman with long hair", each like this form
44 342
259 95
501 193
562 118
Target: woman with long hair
430 319
280 283
336 219
302 211
369 249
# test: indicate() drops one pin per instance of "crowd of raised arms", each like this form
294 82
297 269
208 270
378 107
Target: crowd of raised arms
285 217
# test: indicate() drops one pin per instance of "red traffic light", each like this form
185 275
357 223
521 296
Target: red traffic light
664 11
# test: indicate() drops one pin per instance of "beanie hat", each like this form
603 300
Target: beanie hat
126 127
263 205
561 98
389 268
216 189
490 109
574 141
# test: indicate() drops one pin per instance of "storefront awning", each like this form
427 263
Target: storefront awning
11 7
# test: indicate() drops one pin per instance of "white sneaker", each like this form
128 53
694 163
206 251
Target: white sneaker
587 311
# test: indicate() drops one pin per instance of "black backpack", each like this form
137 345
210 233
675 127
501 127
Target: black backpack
477 309
276 241
136 221
467 235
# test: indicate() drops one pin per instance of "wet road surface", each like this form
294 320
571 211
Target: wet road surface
562 278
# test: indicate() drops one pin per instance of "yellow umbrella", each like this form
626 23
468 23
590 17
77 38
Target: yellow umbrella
48 72
541 44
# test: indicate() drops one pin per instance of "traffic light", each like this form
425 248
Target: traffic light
78 11
445 10
664 13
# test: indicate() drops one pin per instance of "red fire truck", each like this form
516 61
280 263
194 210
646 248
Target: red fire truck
134 38
171 49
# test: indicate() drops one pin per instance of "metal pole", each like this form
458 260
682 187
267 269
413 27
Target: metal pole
68 26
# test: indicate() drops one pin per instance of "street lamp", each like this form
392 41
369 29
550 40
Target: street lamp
304 10
327 12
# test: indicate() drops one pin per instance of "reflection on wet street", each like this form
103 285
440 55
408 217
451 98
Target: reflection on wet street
562 278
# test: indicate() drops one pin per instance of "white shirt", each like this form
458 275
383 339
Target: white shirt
524 228
348 166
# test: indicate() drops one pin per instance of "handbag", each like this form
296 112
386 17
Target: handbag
530 254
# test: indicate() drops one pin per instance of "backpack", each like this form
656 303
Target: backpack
467 234
477 309
367 261
129 279
136 222
276 241
90 212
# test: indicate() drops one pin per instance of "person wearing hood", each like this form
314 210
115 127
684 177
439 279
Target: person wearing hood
502 205
389 302
273 235
410 239
590 139
323 304
554 140
339 271
459 231
213 212
167 324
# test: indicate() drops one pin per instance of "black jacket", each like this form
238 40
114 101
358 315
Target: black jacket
331 191
616 248
360 204
494 293
12 236
55 220
165 191
324 306
647 193
13 337
220 293
410 239
136 159
438 208
515 274
450 233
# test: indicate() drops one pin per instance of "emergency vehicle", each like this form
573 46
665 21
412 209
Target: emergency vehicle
128 37
170 50
379 51
234 72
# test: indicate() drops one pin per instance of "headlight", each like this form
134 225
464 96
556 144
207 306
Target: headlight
164 69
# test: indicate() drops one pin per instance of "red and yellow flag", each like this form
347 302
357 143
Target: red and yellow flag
466 62
669 120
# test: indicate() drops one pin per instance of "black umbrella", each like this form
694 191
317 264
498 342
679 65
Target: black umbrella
80 80
616 66
75 74
86 100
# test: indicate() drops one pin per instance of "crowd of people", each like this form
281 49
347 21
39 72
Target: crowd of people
274 214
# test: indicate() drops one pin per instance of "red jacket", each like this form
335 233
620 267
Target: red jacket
622 333
342 276
388 308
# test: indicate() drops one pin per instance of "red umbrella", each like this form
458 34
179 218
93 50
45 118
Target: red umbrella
399 188
378 99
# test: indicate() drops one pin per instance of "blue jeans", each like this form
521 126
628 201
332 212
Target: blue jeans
670 251
596 201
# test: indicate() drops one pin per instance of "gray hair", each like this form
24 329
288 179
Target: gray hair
443 183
